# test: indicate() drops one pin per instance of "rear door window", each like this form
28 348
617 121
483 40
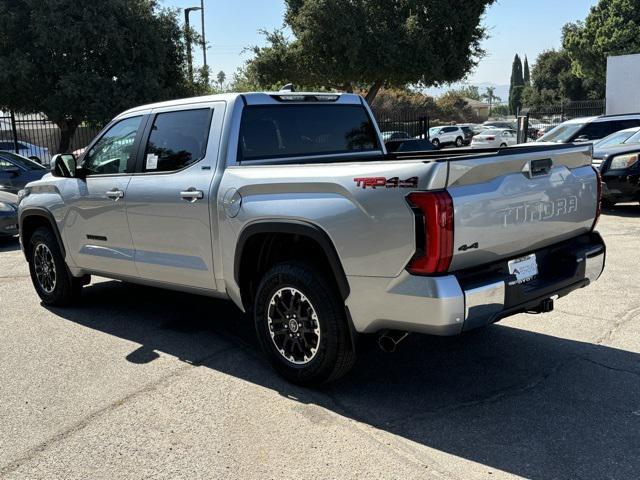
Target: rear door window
304 130
177 140
597 130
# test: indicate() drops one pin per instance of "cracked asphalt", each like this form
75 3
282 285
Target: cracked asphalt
137 382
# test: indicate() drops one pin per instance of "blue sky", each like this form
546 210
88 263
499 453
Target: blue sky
526 27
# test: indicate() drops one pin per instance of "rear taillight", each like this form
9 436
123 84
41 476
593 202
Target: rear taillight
599 193
434 228
490 139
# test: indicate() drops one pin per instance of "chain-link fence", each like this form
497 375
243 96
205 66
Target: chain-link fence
36 137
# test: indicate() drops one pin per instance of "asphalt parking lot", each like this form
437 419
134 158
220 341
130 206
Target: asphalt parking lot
142 383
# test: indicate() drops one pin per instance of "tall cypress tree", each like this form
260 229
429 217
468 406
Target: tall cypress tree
527 74
517 85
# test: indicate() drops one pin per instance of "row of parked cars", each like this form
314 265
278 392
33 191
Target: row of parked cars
491 134
616 141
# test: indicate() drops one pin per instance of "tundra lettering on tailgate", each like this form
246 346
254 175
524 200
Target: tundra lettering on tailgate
529 212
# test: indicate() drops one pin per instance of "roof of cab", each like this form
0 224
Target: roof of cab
252 98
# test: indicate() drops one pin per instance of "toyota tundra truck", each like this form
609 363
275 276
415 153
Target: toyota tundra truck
289 205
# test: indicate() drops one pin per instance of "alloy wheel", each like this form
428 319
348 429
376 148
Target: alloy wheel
45 268
293 325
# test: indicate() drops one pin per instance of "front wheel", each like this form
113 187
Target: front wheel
301 324
459 142
51 279
503 145
436 143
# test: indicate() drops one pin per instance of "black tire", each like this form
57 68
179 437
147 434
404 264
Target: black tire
607 203
64 289
459 142
436 143
503 145
334 354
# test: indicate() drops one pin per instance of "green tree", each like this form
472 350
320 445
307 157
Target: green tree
517 85
371 43
490 97
527 74
221 77
611 28
78 61
553 81
467 91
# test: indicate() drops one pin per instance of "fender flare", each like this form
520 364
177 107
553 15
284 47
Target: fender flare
43 213
294 227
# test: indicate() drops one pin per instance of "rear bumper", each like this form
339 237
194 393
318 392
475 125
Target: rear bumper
451 304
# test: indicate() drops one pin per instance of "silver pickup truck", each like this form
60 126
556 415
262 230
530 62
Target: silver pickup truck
289 205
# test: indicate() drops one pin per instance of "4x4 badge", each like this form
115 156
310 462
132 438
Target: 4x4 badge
464 248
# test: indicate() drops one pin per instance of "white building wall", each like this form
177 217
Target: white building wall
623 84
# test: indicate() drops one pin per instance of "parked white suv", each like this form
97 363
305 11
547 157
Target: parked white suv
441 136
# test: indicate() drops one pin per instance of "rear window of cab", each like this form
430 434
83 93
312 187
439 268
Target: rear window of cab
281 131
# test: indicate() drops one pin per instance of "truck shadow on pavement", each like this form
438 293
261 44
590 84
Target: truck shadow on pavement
529 404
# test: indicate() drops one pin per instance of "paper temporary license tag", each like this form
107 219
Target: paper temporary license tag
152 162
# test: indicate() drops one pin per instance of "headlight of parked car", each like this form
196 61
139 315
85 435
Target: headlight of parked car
623 161
22 194
7 207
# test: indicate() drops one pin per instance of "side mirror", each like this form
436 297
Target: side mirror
64 165
582 138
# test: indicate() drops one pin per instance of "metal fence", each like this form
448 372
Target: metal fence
412 121
36 137
544 118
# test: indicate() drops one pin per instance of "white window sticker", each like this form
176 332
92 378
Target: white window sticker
152 161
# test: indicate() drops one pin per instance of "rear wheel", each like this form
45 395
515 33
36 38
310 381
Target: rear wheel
302 326
51 279
608 203
459 142
503 145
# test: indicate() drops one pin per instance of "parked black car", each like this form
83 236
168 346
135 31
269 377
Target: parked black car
16 171
619 166
8 214
412 145
468 134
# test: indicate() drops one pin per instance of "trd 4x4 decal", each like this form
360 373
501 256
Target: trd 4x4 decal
382 182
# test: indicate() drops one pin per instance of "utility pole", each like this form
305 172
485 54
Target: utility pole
204 45
187 36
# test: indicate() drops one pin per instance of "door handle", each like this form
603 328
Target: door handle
191 195
115 194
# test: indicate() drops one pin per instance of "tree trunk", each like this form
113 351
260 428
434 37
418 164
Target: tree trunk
373 91
67 127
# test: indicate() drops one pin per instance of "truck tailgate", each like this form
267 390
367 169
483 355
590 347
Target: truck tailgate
508 204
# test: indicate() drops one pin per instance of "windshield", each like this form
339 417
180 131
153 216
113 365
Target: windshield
616 138
635 138
22 161
562 133
491 132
